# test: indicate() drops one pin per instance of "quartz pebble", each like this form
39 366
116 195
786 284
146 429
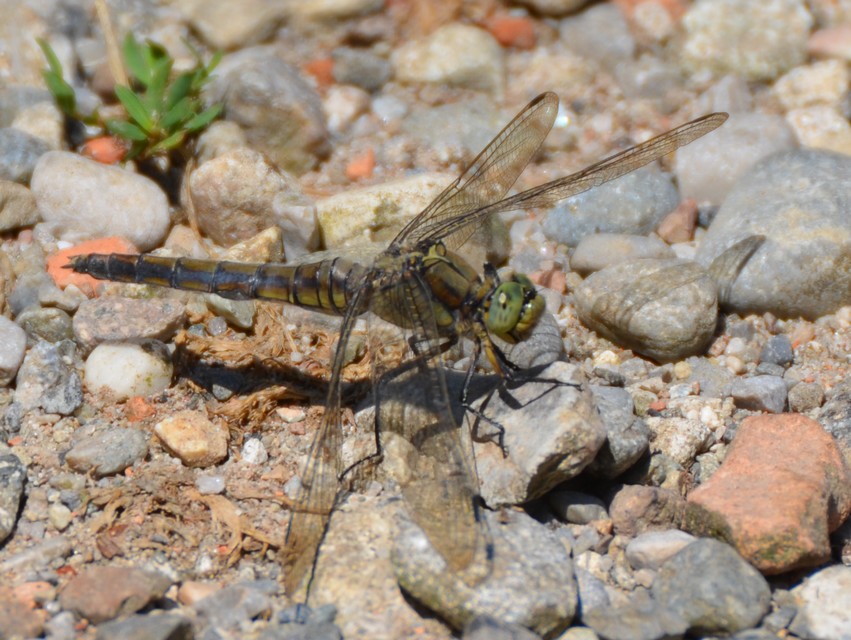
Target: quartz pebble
127 370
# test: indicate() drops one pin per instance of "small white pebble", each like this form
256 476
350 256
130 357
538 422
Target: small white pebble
208 485
253 452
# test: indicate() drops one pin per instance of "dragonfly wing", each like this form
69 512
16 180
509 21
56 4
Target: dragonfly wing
437 477
488 178
320 480
547 194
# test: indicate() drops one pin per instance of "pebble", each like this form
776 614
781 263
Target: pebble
600 250
760 393
627 436
118 319
343 106
824 82
231 608
43 120
361 67
805 396
78 197
106 451
48 379
455 54
60 516
554 7
45 323
13 345
762 503
835 417
210 485
601 34
824 605
104 593
778 350
253 452
652 549
130 369
16 619
331 10
681 439
821 127
17 206
461 128
633 204
756 39
551 434
151 626
280 113
708 168
576 507
239 194
635 509
194 438
19 154
531 582
665 309
485 627
804 221
13 476
224 28
712 588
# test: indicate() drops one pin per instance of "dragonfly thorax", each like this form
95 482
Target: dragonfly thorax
513 308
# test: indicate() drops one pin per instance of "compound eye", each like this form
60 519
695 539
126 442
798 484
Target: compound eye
515 307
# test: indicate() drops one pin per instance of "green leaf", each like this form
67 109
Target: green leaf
154 95
135 108
171 142
52 59
126 130
135 60
178 90
62 93
181 112
204 118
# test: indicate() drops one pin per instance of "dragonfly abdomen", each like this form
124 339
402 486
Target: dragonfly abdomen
323 286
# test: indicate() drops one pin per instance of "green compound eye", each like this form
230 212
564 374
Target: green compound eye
514 308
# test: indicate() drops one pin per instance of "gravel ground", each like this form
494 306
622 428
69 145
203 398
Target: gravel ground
679 466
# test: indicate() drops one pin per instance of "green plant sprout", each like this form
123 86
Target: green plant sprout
161 111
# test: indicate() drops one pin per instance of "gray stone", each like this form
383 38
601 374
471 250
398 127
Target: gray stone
708 168
778 350
805 396
598 251
13 476
116 319
715 381
825 605
601 34
530 582
835 417
639 618
13 346
664 309
758 40
576 507
760 393
710 586
104 593
361 67
632 204
19 153
45 323
627 436
165 626
17 206
232 607
487 627
78 198
280 113
652 549
48 379
455 54
798 201
224 28
107 451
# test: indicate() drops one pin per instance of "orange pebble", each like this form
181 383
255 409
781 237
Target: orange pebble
322 69
361 166
63 277
105 149
138 408
512 31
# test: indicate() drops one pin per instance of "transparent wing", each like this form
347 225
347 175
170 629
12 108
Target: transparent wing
489 177
547 194
320 479
437 477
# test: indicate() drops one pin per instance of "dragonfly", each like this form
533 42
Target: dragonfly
421 284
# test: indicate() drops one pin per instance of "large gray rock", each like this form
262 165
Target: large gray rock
800 201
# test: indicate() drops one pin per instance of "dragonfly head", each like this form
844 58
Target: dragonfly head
513 308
